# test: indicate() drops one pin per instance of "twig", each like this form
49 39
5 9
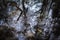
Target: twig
19 15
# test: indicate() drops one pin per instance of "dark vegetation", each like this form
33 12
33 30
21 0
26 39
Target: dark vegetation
7 33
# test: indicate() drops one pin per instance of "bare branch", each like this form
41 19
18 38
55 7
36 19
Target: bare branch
18 8
19 15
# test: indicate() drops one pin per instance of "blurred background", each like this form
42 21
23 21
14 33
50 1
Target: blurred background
29 20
